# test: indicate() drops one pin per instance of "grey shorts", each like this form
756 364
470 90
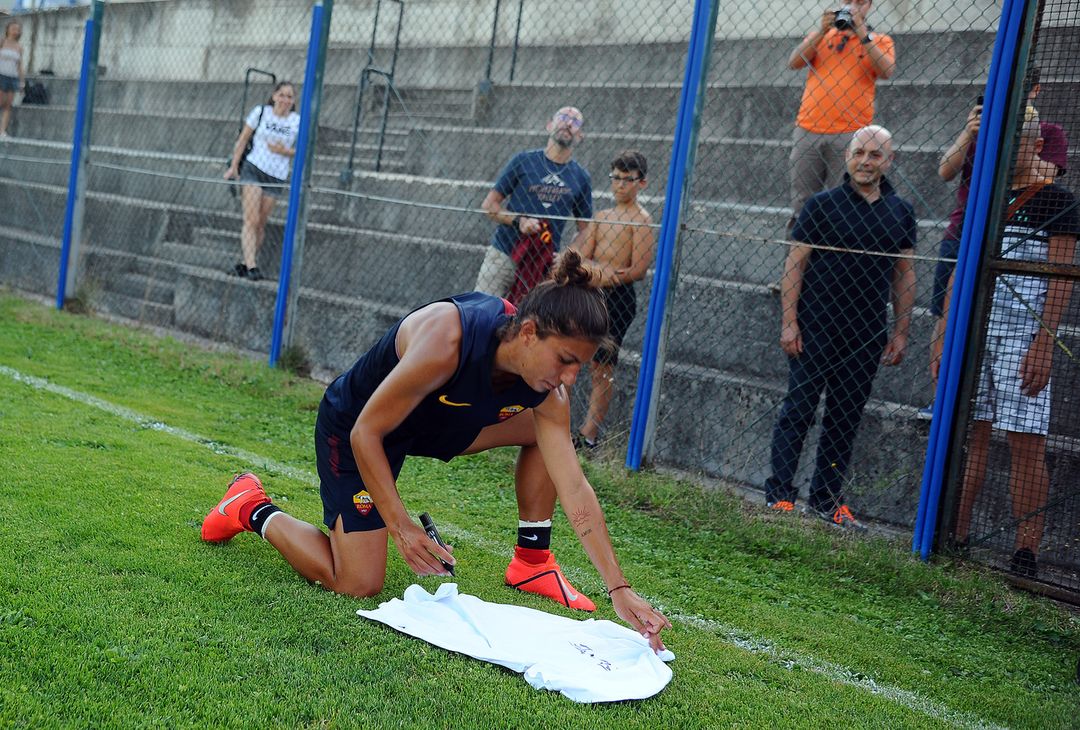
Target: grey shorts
251 175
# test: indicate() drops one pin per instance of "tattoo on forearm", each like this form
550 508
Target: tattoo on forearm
580 517
587 532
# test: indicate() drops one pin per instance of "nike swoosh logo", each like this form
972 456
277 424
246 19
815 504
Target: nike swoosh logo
531 537
447 402
566 587
221 507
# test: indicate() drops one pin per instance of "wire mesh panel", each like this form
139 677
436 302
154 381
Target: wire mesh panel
463 144
801 322
1017 505
34 168
168 240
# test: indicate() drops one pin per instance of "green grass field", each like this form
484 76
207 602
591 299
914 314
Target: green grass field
113 613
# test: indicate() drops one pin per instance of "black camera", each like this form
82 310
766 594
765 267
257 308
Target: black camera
842 19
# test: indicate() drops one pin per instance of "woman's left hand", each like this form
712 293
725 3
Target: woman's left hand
636 611
278 148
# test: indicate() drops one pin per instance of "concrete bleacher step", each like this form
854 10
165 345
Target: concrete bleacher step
964 54
345 261
744 247
752 171
395 139
918 112
747 318
225 99
135 308
29 260
147 287
191 254
167 177
169 134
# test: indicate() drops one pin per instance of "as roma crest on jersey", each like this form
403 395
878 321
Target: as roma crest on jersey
363 502
509 412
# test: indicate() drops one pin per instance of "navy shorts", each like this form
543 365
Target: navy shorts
342 490
9 83
622 307
252 175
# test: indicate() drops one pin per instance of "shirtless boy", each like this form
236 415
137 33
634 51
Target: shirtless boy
622 253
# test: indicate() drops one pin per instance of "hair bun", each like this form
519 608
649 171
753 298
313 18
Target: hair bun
569 270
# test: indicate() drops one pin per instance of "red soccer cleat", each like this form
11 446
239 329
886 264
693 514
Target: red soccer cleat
225 521
546 579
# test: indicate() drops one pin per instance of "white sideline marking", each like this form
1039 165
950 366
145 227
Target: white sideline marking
146 422
747 642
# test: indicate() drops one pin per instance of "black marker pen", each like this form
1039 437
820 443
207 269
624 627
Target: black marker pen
433 533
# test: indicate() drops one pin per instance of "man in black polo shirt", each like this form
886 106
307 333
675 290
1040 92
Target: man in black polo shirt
834 321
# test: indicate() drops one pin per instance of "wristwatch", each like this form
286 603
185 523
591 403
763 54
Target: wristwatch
867 40
516 223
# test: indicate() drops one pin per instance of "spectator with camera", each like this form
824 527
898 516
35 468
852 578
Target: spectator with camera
11 72
535 184
845 58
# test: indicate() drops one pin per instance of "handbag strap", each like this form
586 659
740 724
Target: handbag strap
1021 199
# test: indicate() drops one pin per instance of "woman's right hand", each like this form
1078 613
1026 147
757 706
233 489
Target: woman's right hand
232 173
420 552
642 617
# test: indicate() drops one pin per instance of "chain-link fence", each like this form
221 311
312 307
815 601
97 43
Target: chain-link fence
460 143
1016 503
164 229
769 336
34 169
471 141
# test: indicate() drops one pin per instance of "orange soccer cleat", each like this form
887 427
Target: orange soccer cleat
782 506
545 579
230 517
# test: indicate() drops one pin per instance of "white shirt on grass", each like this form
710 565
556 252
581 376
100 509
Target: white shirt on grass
587 661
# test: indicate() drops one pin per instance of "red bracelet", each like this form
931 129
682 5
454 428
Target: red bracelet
624 585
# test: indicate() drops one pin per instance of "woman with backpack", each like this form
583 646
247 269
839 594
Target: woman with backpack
11 72
261 160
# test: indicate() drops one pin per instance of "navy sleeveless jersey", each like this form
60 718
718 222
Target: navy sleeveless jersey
446 421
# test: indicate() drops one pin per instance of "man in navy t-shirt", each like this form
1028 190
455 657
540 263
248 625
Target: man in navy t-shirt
535 192
834 327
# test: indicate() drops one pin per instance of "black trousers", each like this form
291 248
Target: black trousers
841 364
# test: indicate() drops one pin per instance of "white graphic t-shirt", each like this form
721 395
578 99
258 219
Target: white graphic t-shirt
272 128
588 661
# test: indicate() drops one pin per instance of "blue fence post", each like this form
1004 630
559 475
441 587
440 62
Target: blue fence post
80 144
676 194
296 219
990 168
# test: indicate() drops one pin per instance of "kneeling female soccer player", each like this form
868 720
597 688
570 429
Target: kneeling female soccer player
454 377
